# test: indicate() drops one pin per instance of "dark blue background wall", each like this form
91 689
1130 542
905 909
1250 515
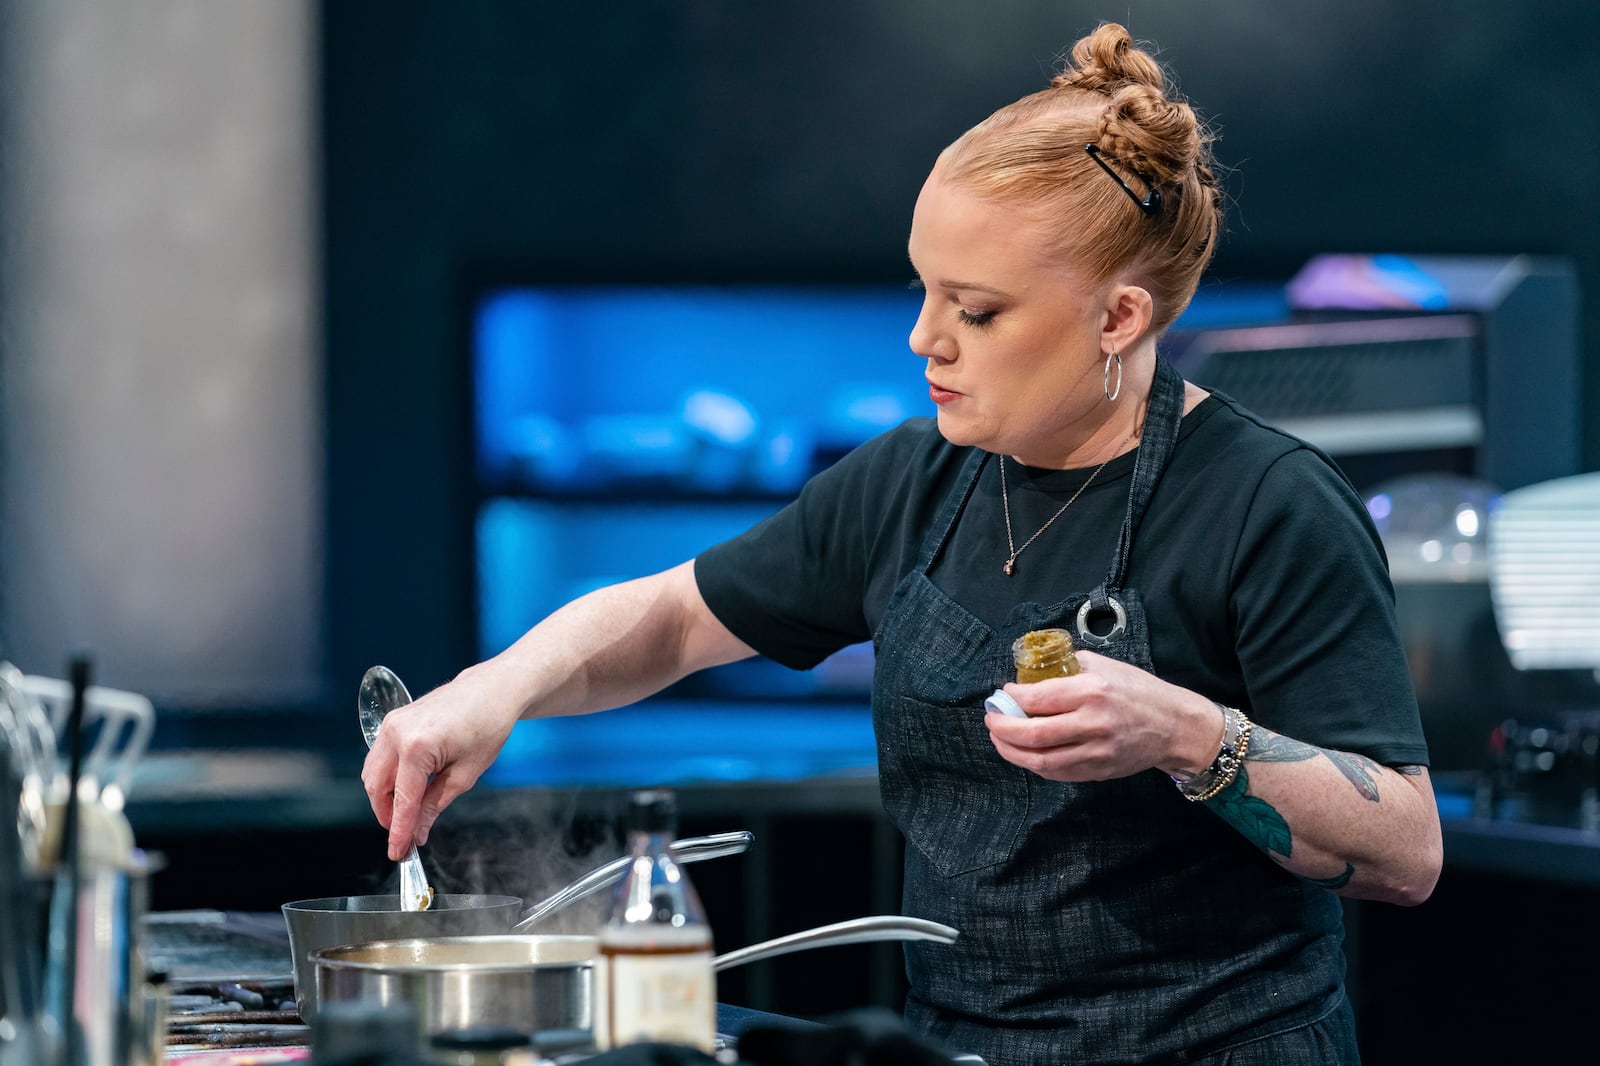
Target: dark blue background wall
725 140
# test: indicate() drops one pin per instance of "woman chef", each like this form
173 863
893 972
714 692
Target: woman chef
1145 868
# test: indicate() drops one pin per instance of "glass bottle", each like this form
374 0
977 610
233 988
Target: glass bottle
655 973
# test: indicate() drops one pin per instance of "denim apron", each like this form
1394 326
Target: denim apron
1108 921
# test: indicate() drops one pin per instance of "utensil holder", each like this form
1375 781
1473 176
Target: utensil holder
105 1017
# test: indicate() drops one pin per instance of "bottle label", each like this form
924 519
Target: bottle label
662 998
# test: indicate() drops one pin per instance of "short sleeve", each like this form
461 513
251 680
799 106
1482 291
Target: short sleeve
1314 616
791 586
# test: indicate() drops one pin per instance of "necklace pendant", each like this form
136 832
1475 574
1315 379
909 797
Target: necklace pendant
1011 565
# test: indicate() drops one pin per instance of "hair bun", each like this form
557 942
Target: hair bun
1106 60
1142 127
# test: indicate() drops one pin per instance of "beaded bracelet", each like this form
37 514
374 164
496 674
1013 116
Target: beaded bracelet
1225 767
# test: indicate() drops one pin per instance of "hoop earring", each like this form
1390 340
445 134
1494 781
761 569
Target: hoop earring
1110 393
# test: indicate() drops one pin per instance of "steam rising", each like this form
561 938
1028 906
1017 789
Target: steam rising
524 843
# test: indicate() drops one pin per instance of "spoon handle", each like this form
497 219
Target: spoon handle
689 849
415 895
855 931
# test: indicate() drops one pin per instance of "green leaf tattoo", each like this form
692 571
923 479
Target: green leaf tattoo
1255 818
1260 823
1335 882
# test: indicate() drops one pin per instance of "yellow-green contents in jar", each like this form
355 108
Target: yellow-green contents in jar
1044 653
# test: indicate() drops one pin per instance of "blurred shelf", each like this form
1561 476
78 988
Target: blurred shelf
1532 851
1384 431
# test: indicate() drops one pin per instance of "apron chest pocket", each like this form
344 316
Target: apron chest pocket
946 788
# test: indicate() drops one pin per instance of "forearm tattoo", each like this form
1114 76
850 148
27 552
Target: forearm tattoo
1360 771
1259 821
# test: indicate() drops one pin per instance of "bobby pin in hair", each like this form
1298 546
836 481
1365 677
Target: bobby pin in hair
1152 200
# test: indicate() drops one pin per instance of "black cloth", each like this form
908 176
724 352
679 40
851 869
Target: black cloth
1262 574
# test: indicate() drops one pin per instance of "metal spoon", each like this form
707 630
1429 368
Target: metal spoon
381 692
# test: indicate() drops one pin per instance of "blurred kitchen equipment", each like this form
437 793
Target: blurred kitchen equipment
123 722
1434 525
110 997
1544 573
63 1010
535 982
1435 530
381 692
21 1036
94 990
33 712
1543 768
689 849
1544 579
27 734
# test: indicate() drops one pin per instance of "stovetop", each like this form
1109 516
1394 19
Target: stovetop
229 979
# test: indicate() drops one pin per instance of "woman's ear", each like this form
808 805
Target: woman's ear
1129 310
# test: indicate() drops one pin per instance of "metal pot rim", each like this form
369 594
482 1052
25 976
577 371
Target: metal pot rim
337 956
329 904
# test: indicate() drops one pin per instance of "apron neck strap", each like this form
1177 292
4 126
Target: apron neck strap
954 503
1160 434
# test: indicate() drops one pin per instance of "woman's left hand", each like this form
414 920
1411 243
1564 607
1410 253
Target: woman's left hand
1111 720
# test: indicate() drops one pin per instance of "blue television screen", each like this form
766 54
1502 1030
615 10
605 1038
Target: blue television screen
620 430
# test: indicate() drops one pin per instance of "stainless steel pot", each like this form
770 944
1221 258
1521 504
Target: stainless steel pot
336 920
534 982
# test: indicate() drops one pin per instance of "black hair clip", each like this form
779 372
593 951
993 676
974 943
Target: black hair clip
1152 200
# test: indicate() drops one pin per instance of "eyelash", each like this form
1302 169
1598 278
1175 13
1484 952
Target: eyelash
975 319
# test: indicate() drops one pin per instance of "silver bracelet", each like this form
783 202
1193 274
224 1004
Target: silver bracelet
1225 767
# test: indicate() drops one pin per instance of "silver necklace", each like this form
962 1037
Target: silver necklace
1005 496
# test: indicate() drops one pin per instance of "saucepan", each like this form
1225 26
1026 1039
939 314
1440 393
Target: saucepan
337 920
534 982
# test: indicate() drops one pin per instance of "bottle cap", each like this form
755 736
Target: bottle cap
1002 701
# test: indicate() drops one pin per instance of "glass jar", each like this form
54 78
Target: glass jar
1043 654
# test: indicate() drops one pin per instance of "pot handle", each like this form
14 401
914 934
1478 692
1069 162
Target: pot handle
689 849
854 931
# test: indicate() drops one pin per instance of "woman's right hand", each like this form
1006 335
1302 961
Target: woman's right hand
431 751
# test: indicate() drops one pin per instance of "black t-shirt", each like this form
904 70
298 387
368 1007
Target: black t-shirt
1262 575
